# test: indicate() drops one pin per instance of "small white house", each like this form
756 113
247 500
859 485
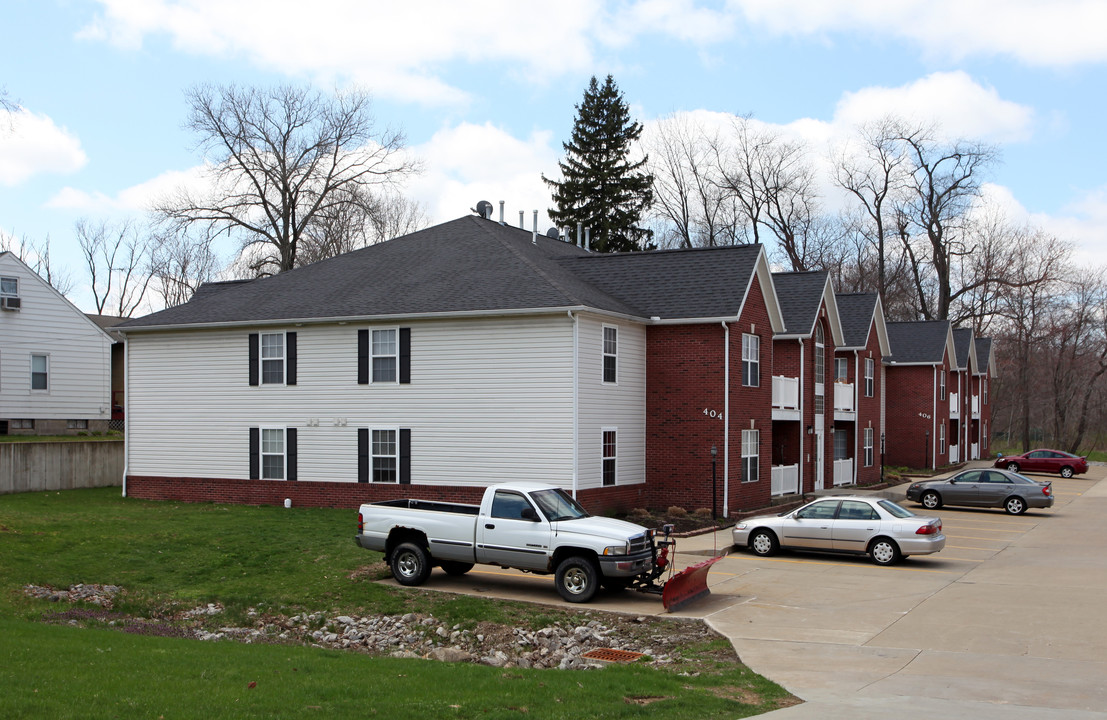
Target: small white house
55 363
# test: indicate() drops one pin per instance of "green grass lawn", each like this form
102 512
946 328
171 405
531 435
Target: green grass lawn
174 555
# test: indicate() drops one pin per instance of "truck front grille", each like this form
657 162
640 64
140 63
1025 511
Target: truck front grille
639 543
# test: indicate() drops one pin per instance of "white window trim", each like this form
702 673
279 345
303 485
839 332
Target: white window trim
372 365
841 362
941 438
262 454
755 361
985 383
870 381
604 354
867 447
756 454
941 384
31 374
373 456
604 458
9 294
283 358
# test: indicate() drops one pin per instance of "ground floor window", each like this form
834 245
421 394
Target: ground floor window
751 442
868 447
23 424
841 445
76 424
942 439
610 454
272 454
386 456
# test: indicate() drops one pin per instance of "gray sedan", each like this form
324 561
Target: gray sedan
984 488
848 524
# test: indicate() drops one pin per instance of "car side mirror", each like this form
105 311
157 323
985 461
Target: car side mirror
529 514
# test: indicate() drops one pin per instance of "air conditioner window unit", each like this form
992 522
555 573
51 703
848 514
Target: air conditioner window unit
10 303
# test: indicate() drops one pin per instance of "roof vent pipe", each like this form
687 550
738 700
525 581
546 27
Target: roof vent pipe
588 239
534 232
580 237
520 219
501 212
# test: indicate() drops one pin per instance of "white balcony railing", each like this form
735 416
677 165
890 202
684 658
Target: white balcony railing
976 406
786 479
786 392
954 405
843 396
843 472
954 454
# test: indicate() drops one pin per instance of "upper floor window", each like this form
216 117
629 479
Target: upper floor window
272 358
820 357
9 287
40 372
751 360
610 353
385 355
941 384
985 385
870 371
841 370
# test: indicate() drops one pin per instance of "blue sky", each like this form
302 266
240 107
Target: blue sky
485 91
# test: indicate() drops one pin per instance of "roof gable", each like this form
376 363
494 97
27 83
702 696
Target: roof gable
925 342
862 314
801 295
965 347
20 269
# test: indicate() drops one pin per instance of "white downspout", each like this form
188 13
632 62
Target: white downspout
576 401
126 409
803 430
726 421
934 422
857 379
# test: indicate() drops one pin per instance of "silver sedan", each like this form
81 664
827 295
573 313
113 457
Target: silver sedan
849 524
984 488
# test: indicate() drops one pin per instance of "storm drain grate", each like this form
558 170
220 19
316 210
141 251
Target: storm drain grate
611 655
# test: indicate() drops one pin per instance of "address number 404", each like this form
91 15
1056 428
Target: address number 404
713 413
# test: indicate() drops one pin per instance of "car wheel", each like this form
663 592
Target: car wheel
577 579
931 500
1014 505
764 543
884 551
1066 472
410 564
1013 466
456 568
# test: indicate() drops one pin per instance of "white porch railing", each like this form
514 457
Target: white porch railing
785 479
843 396
975 450
954 454
843 472
954 405
786 392
976 406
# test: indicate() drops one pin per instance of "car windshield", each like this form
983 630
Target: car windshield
557 505
895 510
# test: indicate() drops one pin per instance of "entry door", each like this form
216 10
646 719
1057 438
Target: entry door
820 476
513 534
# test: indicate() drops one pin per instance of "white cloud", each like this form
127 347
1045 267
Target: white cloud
1056 33
131 200
1083 221
32 144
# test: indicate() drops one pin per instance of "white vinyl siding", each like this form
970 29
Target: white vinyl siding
621 406
79 354
494 402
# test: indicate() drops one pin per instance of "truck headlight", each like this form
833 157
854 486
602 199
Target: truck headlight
615 550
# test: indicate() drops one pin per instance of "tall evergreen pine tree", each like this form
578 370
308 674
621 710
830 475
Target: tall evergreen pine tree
602 189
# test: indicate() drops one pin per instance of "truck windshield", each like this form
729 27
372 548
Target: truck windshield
558 505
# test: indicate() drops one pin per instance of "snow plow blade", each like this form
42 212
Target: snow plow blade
688 585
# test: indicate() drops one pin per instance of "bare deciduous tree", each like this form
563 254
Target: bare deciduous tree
36 255
117 258
180 264
280 161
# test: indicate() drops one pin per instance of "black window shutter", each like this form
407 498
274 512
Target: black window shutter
290 358
254 358
362 357
363 455
290 452
255 452
405 457
405 356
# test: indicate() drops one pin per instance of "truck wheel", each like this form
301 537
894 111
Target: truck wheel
410 564
456 568
577 579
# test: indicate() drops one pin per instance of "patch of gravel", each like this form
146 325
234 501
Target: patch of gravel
561 644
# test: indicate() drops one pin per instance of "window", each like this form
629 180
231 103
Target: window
820 358
820 405
9 287
825 510
610 353
942 439
751 441
941 384
868 447
857 510
272 453
510 506
76 424
386 456
385 356
24 424
40 372
870 371
841 370
272 358
751 360
609 457
841 445
986 437
985 384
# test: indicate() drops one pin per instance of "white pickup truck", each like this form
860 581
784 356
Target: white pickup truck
527 526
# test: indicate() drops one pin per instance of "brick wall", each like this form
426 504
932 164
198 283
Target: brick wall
912 393
868 411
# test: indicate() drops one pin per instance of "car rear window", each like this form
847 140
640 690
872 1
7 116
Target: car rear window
895 510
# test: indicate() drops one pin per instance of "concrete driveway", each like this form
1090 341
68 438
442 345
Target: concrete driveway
1008 621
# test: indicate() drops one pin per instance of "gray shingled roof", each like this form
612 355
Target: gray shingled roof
856 311
799 295
983 354
474 265
962 340
918 342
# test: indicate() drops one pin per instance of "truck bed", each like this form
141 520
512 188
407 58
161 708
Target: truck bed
432 505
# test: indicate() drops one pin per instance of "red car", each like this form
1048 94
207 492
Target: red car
1045 461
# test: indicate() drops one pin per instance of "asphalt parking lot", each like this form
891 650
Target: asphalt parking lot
1008 621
